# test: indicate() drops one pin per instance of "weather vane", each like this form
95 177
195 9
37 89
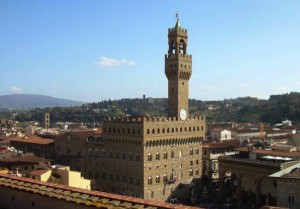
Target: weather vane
177 16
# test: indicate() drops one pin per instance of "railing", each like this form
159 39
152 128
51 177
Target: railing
249 161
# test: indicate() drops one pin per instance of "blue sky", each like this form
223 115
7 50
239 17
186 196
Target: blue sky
96 50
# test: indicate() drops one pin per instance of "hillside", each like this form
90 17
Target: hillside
30 101
245 109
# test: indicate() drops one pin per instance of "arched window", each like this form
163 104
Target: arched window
172 47
149 157
157 156
96 153
149 180
165 178
157 179
180 154
130 157
191 172
182 47
90 152
148 131
165 155
103 153
172 154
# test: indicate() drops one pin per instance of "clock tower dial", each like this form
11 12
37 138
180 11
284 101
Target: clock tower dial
178 69
182 114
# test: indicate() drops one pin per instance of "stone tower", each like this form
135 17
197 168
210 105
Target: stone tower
178 69
47 120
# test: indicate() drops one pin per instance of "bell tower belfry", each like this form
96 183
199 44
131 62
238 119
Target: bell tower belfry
178 69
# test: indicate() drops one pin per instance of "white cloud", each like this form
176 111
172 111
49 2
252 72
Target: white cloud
111 62
16 90
243 85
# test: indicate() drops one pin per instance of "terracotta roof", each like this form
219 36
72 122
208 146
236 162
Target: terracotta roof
225 143
38 172
245 131
23 159
87 197
33 140
218 129
270 152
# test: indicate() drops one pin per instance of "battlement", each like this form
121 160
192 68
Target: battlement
167 56
179 29
141 120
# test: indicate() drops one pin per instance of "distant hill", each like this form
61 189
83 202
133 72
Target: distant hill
29 101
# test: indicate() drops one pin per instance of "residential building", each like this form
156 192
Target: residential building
59 174
220 134
288 186
210 154
43 147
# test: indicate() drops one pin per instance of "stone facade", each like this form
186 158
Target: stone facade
148 157
152 158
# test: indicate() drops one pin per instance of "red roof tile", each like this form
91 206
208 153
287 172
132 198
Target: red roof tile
34 140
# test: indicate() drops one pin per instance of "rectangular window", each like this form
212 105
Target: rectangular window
124 179
130 180
138 182
137 158
130 157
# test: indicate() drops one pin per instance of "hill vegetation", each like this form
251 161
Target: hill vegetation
247 109
30 101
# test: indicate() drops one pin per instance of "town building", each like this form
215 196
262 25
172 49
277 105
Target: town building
244 177
59 174
42 147
288 186
210 172
155 158
220 134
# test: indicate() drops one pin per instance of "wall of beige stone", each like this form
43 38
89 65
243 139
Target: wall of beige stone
286 189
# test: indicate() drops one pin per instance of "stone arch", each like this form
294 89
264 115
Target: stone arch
182 46
248 185
267 190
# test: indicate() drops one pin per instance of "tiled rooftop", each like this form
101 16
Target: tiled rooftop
87 197
225 143
34 140
295 154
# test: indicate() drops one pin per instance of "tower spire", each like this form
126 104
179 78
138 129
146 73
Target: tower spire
177 22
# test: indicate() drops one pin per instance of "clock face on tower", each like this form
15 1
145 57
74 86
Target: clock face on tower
182 114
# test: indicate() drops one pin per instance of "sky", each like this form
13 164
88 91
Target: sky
94 50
